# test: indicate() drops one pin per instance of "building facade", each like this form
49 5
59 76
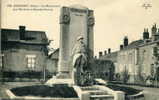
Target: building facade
137 62
103 69
109 56
24 51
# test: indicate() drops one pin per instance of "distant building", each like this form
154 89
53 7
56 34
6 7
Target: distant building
100 68
139 59
24 51
52 62
110 56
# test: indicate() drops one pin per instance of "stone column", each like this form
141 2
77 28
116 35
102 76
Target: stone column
74 21
64 36
90 24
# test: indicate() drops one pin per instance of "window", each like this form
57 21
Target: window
144 56
130 58
137 56
31 61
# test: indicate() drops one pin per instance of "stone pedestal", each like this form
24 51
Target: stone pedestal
74 21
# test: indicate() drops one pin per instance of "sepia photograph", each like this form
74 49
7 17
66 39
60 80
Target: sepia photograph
79 49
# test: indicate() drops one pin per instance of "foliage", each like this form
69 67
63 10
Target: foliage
58 90
127 90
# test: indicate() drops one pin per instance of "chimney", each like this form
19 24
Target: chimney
153 32
105 52
154 29
145 34
157 35
100 54
22 32
125 41
121 47
109 51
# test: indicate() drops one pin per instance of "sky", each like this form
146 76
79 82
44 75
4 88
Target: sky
114 19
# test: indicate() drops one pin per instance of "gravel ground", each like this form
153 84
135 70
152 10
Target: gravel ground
149 93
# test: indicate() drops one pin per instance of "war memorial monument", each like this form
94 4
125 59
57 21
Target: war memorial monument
76 54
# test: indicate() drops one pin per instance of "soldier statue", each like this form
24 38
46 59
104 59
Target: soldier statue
79 61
